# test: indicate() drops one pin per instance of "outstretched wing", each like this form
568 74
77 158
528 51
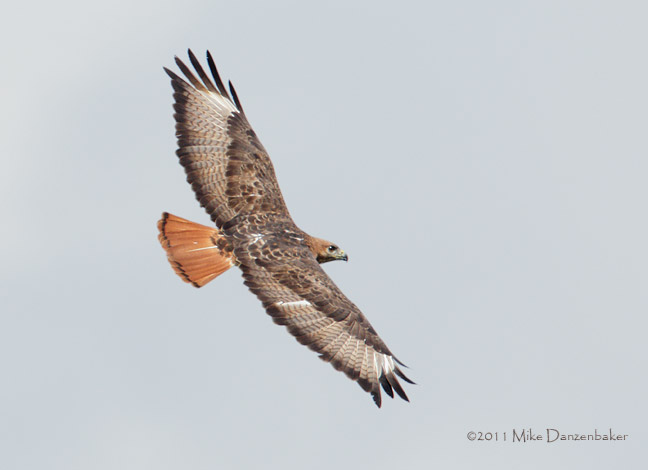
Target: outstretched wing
298 294
226 165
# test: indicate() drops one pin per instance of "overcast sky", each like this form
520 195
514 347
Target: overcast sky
484 164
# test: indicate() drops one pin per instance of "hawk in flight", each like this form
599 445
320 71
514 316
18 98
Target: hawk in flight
234 180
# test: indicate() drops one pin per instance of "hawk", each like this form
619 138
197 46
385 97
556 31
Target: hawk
234 180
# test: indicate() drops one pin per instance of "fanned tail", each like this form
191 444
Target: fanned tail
196 253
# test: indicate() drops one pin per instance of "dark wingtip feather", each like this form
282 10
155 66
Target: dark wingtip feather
393 381
177 83
376 398
190 76
170 73
236 100
399 362
219 83
201 72
387 386
403 376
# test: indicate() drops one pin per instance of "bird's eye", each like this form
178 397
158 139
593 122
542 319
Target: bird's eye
332 248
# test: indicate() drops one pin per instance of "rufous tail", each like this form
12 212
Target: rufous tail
197 253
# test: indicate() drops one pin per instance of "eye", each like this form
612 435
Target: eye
332 248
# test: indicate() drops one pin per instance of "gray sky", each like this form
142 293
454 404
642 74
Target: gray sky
483 163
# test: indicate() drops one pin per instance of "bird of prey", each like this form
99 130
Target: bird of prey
234 180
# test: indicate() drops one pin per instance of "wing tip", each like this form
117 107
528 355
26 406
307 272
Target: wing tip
389 383
205 84
377 398
170 73
237 102
387 387
214 70
403 376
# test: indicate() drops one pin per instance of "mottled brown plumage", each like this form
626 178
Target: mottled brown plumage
234 180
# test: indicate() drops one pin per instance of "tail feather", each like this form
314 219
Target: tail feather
196 253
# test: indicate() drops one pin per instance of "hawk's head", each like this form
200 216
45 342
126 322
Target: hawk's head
326 251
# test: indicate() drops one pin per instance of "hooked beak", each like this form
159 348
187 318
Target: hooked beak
344 257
